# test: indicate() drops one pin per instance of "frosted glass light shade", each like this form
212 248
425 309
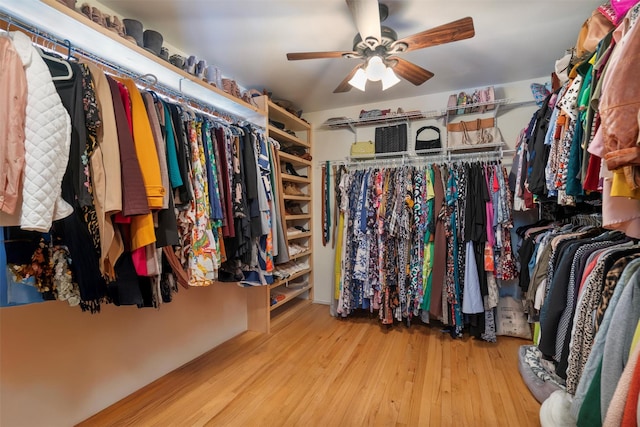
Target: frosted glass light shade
359 79
389 79
376 69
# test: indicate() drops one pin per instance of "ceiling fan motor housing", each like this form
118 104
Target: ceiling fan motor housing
370 47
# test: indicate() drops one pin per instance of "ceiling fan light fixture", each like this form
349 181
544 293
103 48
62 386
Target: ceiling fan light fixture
376 69
359 79
389 79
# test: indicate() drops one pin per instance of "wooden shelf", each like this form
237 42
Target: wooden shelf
293 178
291 122
84 34
289 295
295 160
294 217
301 254
259 300
281 135
298 236
301 198
290 278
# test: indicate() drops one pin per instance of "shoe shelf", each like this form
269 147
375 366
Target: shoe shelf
296 236
293 178
295 160
281 135
289 294
297 172
288 279
279 114
296 217
65 23
301 254
301 198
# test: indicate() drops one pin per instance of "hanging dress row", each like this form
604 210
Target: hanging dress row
424 242
582 142
583 288
114 194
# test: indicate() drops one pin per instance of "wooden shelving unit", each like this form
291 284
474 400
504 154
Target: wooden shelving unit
260 301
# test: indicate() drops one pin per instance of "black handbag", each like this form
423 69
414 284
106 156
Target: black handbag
428 144
391 139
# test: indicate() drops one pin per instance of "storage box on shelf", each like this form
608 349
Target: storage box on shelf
293 278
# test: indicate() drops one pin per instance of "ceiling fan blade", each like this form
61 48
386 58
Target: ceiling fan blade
344 85
447 33
410 71
366 15
317 55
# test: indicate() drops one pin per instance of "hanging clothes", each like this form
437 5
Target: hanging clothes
413 242
151 193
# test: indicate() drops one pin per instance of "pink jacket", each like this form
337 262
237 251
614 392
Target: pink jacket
620 106
13 105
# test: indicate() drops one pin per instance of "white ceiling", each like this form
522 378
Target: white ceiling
249 40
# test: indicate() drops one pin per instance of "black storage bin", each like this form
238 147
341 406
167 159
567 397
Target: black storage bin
391 139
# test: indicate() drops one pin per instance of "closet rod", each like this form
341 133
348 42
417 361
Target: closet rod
167 92
406 159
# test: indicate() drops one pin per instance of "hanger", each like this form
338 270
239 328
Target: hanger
55 59
67 44
143 79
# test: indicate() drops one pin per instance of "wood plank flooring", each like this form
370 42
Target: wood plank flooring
316 370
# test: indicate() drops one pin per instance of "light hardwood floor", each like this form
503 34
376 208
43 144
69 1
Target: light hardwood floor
316 370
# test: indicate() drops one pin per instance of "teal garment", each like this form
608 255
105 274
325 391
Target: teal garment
590 414
576 153
574 185
172 155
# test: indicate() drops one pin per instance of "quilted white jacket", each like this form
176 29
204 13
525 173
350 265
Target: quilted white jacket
47 143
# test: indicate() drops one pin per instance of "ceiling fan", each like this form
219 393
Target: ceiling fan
378 46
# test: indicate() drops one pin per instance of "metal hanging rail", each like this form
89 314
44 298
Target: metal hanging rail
174 91
419 160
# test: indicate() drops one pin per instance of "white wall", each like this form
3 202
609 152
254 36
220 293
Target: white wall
335 144
58 365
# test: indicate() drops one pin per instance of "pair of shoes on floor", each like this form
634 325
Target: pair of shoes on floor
291 189
288 167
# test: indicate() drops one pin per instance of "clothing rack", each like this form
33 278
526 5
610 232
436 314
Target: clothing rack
408 159
147 80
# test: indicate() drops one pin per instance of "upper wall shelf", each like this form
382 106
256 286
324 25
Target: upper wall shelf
346 122
64 23
497 105
350 123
